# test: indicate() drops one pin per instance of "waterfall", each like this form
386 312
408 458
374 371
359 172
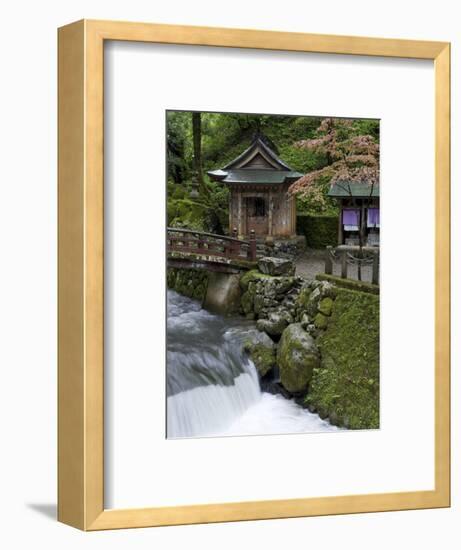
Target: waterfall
212 386
208 410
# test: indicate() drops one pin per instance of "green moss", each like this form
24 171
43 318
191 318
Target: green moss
189 282
297 358
252 276
247 301
303 298
351 284
262 356
185 212
347 387
326 306
321 321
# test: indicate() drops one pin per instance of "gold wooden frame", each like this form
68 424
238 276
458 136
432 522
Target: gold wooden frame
81 262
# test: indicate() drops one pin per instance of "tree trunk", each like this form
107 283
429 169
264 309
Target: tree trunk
197 139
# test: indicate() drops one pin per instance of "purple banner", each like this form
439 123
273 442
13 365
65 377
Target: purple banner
351 216
373 217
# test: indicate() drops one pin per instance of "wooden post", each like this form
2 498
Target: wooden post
328 262
343 264
252 251
200 244
375 270
359 263
340 226
235 247
295 216
239 212
270 214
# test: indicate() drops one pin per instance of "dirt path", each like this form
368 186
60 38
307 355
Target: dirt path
312 262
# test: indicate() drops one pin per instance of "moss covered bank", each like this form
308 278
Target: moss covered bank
346 387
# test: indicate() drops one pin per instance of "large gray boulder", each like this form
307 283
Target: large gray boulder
276 266
297 357
275 324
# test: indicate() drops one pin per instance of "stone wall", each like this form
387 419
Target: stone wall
189 282
281 247
317 343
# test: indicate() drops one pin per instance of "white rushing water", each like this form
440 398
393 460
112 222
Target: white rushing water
212 386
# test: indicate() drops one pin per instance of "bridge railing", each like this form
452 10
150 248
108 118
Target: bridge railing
197 242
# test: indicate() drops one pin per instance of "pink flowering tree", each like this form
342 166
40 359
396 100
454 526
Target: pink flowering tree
349 159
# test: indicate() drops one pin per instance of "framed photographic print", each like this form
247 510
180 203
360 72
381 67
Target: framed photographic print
254 306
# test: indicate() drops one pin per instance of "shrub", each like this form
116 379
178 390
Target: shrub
320 231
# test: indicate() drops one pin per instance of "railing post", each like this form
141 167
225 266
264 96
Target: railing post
375 269
359 265
234 246
328 262
343 264
200 243
252 250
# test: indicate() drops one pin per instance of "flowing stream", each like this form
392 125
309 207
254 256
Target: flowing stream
212 386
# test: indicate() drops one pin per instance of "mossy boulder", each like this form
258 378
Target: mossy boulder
283 285
321 321
303 298
253 275
326 306
275 324
297 357
276 266
261 350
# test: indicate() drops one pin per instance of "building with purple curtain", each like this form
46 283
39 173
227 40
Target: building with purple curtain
359 217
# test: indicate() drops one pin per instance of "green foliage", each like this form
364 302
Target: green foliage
318 201
320 231
302 160
178 126
346 388
186 213
225 136
364 126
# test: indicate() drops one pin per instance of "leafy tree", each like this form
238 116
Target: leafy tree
350 157
176 146
197 140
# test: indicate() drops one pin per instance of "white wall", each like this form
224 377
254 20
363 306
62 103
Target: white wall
28 270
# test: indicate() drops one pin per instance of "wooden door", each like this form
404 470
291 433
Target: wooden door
257 218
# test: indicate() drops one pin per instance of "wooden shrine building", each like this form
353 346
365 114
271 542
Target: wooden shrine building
359 212
258 181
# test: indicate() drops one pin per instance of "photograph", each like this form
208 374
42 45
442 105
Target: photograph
273 247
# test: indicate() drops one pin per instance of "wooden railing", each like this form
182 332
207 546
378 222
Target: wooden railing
360 257
208 244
